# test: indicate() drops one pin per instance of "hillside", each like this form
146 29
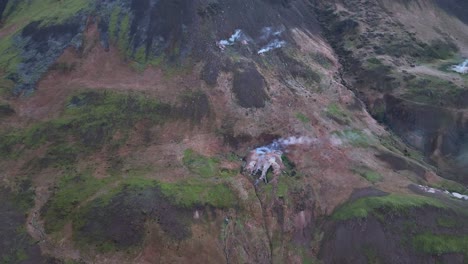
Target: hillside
130 131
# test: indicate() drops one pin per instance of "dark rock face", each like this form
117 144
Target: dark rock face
455 7
2 8
179 29
40 46
399 163
169 25
366 192
195 106
6 110
150 30
210 72
410 120
425 121
18 247
121 222
376 240
249 87
432 130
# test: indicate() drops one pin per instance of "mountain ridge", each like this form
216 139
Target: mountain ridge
127 125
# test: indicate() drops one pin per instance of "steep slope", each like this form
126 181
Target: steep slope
125 125
399 63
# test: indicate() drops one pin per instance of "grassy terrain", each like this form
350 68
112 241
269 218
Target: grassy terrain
373 63
189 194
203 166
206 167
90 120
75 189
450 186
72 190
361 208
441 244
368 174
447 222
9 55
432 90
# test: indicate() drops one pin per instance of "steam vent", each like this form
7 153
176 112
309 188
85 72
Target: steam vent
233 131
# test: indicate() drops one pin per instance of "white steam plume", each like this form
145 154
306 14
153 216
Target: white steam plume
438 191
461 68
238 35
268 32
275 44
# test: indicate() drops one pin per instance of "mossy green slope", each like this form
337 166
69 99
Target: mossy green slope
361 208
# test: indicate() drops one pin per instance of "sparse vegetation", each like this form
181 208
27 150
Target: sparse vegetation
374 63
361 208
371 255
439 49
445 221
436 50
354 137
303 118
91 118
337 113
435 91
113 23
450 186
323 60
123 41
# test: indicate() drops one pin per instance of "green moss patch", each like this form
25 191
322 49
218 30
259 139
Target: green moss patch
47 11
448 222
189 194
361 208
71 191
203 166
441 244
368 174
